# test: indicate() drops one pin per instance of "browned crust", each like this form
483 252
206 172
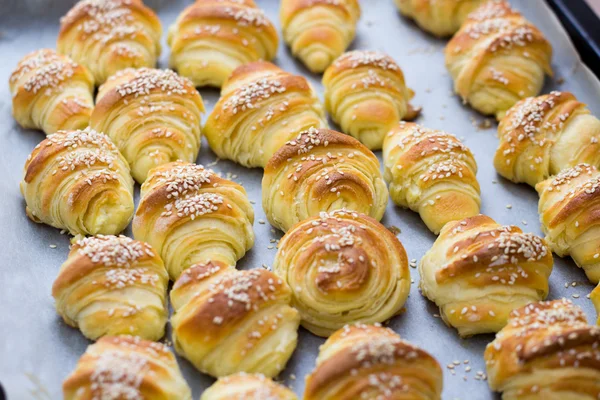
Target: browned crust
348 7
219 11
254 68
199 272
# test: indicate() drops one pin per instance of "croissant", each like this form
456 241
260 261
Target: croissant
497 58
51 92
478 271
244 386
595 297
343 267
110 35
321 170
366 95
569 210
113 285
431 172
78 181
372 362
260 109
541 136
152 115
126 367
211 38
190 215
228 321
546 351
319 31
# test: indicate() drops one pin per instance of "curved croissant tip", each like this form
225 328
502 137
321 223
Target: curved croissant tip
317 61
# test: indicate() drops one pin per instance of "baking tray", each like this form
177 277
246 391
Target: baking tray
37 350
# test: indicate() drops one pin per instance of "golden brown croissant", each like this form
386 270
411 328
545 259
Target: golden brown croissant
541 136
319 31
190 215
321 170
478 271
152 115
366 95
343 267
497 58
244 386
211 38
110 35
431 172
261 108
113 285
439 17
51 92
372 362
228 321
569 210
78 181
546 351
126 367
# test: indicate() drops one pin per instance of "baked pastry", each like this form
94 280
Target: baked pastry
497 58
211 38
569 210
439 17
541 136
366 95
152 115
318 31
321 170
244 386
431 172
228 321
51 92
546 351
78 181
110 35
478 271
261 108
372 362
190 215
343 267
113 285
126 367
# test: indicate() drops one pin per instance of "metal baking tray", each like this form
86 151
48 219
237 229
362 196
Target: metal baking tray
37 350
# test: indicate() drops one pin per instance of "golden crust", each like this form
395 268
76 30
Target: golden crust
247 386
478 271
244 316
126 366
541 340
321 170
369 360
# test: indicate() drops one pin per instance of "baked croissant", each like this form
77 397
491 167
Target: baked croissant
261 108
478 271
126 367
211 38
228 321
321 170
546 351
244 386
431 172
343 267
366 95
190 215
78 181
51 92
497 58
113 285
372 362
569 210
541 136
439 17
110 35
152 115
595 297
319 31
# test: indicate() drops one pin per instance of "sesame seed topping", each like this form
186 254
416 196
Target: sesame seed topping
109 250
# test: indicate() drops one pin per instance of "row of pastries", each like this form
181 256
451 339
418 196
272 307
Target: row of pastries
338 271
